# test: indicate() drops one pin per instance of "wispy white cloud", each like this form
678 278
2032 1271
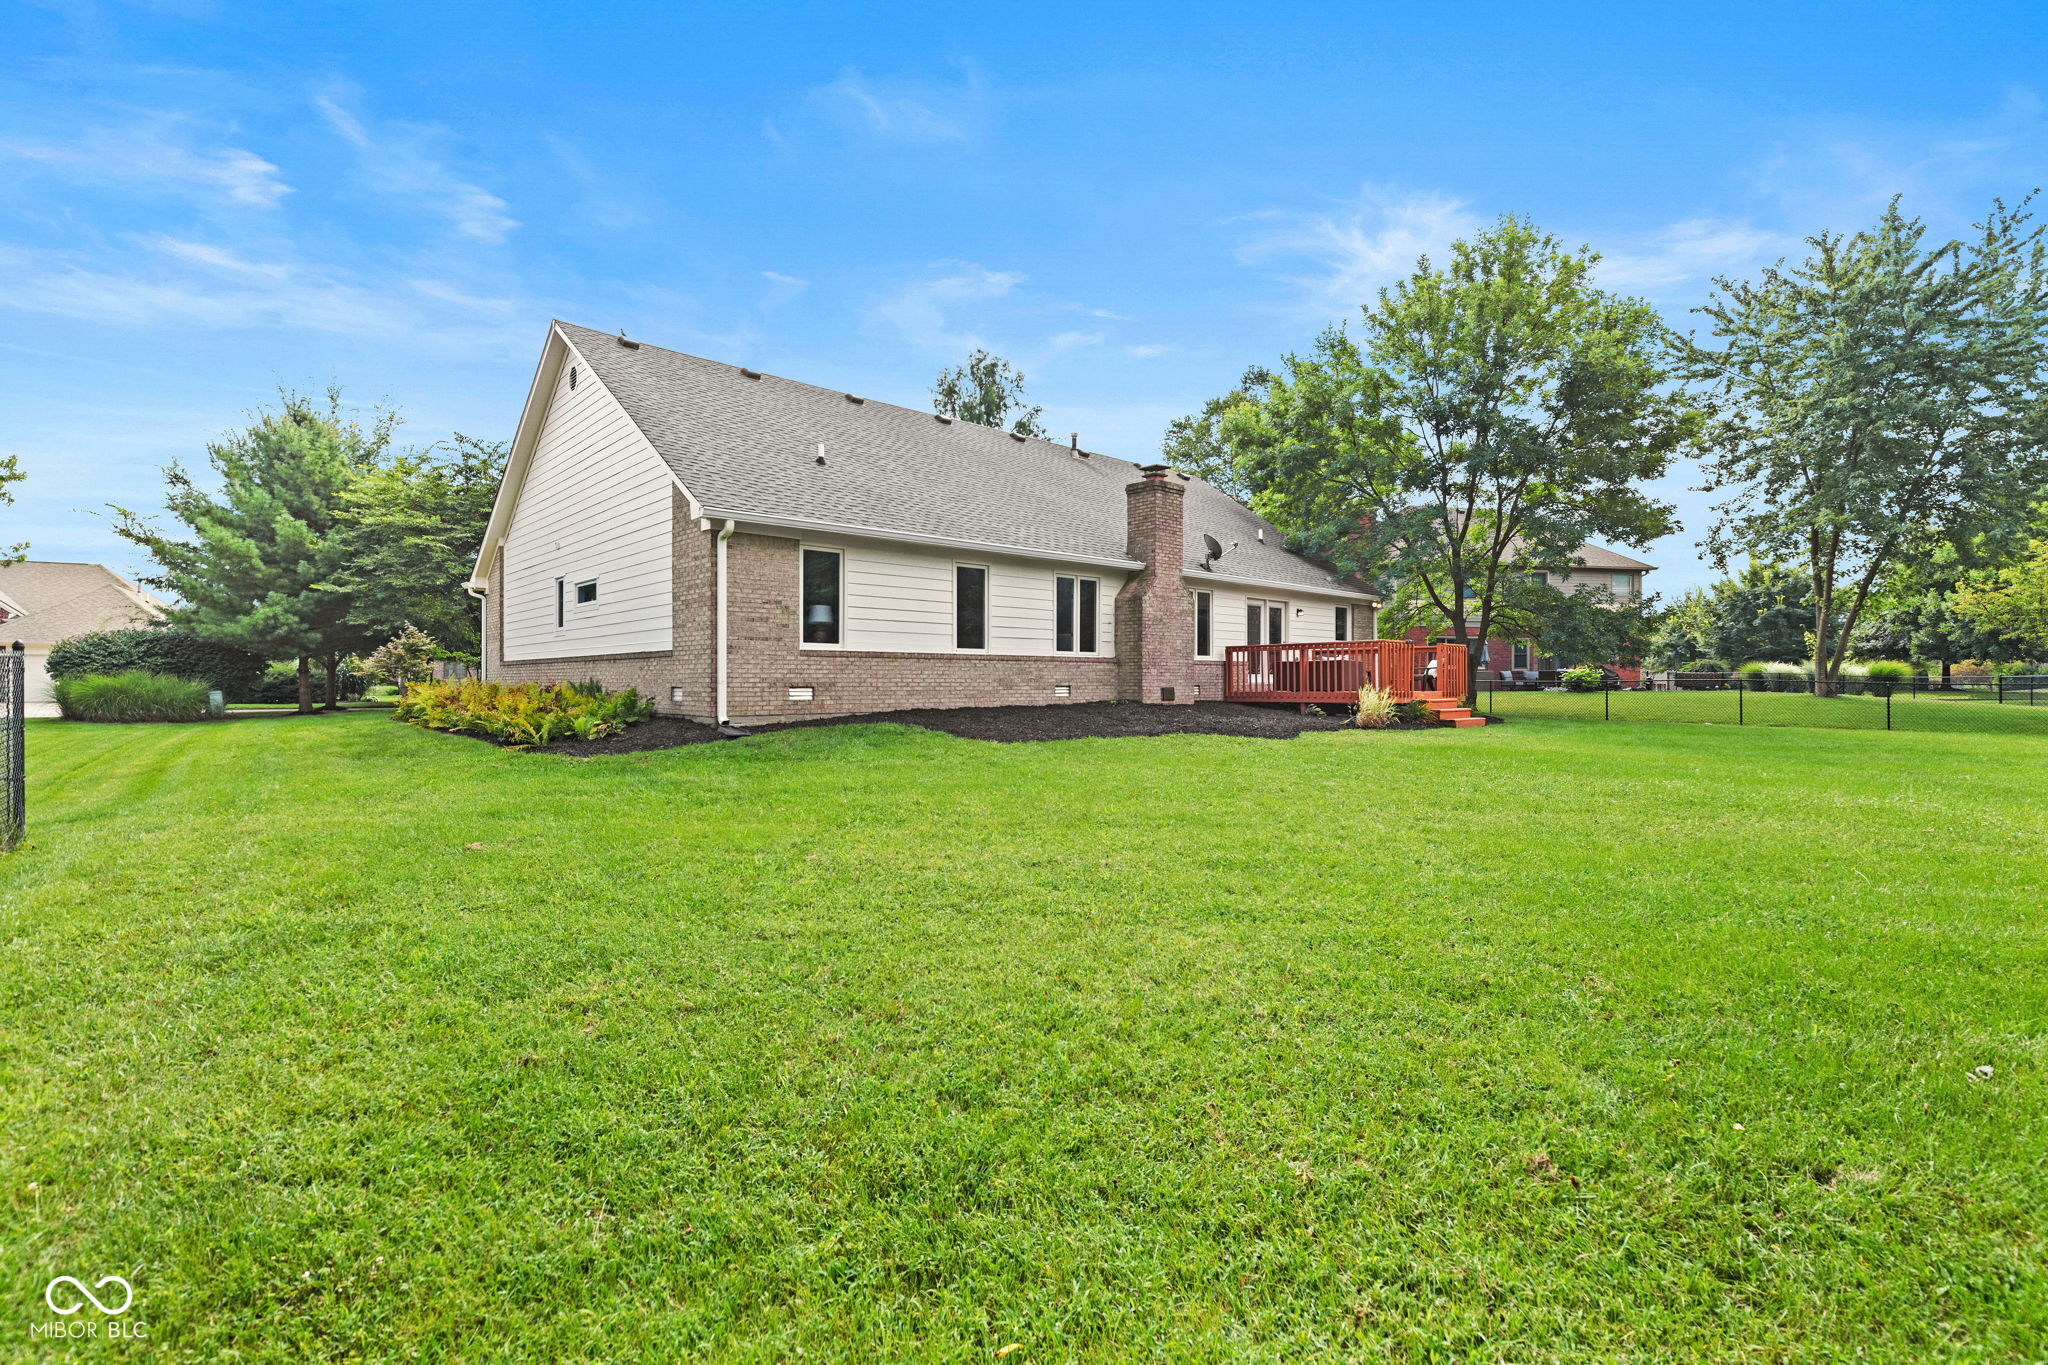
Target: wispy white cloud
1836 174
902 110
602 199
1144 352
166 151
1339 256
1688 252
164 281
923 312
402 161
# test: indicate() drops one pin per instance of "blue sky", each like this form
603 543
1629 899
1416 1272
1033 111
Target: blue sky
202 201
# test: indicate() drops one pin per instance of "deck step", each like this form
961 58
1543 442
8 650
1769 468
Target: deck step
1467 722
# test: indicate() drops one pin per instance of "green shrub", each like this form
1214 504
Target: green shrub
1785 677
157 649
1702 666
525 714
132 696
1882 678
1584 678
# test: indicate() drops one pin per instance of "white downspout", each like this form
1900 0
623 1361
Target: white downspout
724 534
483 632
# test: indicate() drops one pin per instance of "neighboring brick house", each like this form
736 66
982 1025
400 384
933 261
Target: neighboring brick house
1593 567
747 548
43 602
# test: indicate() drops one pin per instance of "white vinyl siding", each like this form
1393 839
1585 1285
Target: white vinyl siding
899 599
1317 622
595 508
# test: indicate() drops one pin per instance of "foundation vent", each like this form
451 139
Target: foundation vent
803 693
1062 690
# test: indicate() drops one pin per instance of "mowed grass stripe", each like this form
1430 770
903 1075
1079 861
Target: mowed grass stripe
872 1042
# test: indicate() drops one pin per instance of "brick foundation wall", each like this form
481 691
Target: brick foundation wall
766 661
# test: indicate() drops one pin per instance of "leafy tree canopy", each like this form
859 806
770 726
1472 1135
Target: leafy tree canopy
11 473
410 536
256 562
1493 415
989 391
1881 398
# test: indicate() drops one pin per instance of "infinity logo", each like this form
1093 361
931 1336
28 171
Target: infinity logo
50 1295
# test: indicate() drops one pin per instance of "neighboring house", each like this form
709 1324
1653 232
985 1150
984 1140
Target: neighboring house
43 602
1593 567
747 548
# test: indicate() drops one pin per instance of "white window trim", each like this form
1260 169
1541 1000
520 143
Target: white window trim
1076 651
803 547
576 597
988 579
1265 606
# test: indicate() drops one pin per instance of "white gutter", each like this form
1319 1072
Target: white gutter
1197 577
724 534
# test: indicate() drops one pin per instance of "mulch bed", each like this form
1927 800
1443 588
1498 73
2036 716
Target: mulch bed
1006 725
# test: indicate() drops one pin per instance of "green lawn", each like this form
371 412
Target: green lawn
347 1041
1933 712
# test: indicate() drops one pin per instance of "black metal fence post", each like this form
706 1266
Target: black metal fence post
1887 710
1739 690
13 746
1607 703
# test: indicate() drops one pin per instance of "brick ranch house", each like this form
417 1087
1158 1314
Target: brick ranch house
745 548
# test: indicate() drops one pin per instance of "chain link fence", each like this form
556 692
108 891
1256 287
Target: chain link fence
13 753
2007 705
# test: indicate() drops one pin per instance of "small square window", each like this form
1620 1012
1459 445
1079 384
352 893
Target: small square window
586 592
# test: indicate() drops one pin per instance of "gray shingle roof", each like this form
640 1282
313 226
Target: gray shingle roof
59 601
748 447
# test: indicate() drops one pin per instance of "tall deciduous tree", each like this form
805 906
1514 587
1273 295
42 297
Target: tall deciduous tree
257 561
2013 602
1493 415
990 391
410 535
1880 398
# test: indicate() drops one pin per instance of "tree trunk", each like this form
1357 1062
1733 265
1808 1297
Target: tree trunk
1945 666
305 686
333 666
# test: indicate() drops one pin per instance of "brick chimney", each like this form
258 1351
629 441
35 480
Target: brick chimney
1155 619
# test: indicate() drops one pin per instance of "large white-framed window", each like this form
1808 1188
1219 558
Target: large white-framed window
821 613
1521 654
970 606
1076 614
1205 625
1265 622
1624 584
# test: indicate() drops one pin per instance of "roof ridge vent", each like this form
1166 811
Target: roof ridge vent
855 398
1016 436
941 417
751 374
629 345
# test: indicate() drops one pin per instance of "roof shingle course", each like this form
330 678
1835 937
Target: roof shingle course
748 446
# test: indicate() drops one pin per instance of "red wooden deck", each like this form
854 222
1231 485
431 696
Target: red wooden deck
1332 672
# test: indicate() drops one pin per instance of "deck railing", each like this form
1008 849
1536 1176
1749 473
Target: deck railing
1333 671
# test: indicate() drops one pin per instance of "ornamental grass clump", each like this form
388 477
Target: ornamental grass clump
1376 708
134 695
523 715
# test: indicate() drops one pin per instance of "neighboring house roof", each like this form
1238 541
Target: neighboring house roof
58 601
1600 557
745 445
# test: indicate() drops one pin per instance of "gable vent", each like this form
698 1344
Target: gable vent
572 378
751 374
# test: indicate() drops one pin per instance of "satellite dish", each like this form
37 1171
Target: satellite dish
1214 548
